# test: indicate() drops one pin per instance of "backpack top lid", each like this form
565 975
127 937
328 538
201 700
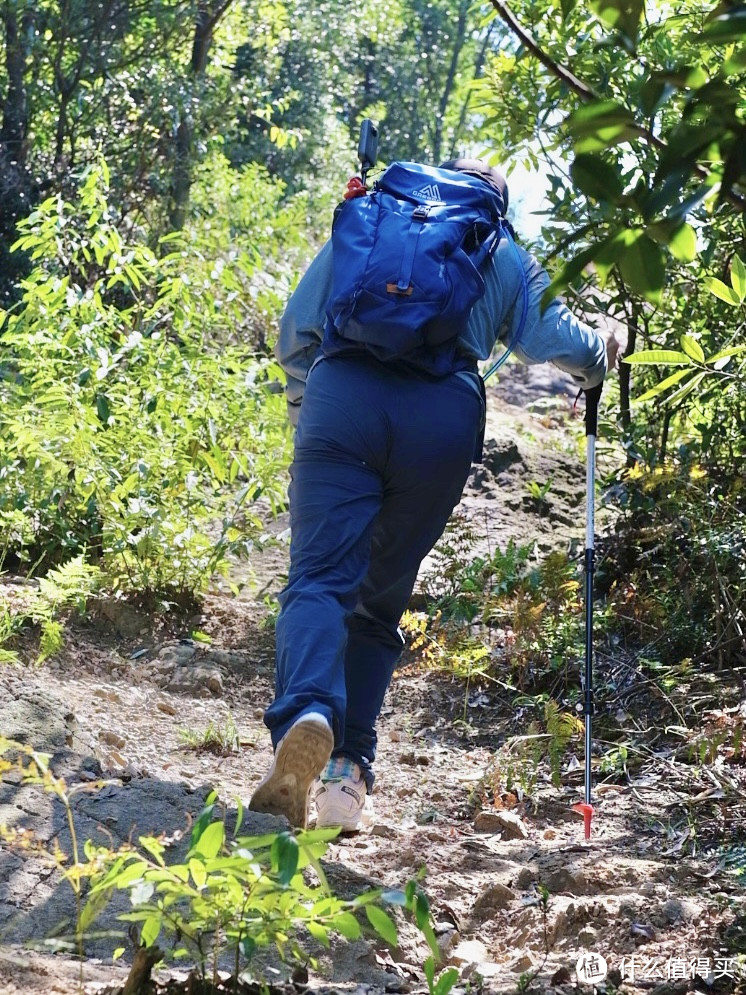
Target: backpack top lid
483 171
449 189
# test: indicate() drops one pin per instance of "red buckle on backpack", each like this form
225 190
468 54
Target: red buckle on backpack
355 188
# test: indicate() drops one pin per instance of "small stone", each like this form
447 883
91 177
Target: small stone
566 881
468 952
549 834
588 937
166 707
681 910
384 831
196 680
258 713
108 694
522 964
447 941
497 896
507 823
395 736
525 879
112 738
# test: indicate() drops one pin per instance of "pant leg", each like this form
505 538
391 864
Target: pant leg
437 428
335 494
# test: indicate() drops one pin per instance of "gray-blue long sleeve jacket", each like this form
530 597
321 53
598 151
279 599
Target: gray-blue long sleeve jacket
556 336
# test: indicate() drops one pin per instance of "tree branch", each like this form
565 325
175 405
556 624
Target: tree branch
587 94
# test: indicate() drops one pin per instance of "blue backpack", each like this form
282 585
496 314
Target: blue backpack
406 265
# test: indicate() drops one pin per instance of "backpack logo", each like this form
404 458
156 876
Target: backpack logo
430 192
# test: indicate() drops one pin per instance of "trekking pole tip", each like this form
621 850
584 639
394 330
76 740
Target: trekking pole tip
587 812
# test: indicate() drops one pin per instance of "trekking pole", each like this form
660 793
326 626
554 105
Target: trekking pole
592 398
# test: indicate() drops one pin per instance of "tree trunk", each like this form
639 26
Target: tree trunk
16 186
208 16
458 44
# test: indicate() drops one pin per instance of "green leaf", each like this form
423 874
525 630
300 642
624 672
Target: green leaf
429 968
692 348
726 353
204 819
686 389
198 872
666 357
643 268
102 408
683 243
285 854
347 925
150 930
318 932
719 289
117 953
662 387
154 847
239 816
567 6
421 910
446 981
383 924
728 26
622 15
595 177
211 840
738 277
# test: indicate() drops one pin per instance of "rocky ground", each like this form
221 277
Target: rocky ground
520 899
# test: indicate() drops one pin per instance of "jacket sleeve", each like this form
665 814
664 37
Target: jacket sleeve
555 335
302 328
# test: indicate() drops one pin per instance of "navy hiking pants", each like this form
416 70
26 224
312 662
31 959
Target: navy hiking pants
381 458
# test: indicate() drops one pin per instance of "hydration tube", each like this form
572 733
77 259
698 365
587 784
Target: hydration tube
522 324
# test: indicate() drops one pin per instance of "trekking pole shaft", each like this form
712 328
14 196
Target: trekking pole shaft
590 567
593 397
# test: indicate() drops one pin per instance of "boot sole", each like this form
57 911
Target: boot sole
300 758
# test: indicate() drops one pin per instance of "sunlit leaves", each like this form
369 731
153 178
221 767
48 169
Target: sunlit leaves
597 178
601 124
623 15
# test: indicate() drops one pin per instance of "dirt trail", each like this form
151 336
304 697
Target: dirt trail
114 701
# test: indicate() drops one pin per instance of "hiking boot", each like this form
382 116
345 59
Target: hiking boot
300 756
342 798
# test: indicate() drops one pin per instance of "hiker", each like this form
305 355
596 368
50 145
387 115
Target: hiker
382 453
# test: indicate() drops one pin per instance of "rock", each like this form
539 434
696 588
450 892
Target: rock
108 694
196 680
567 881
468 952
126 620
166 707
525 879
508 824
112 738
384 831
447 942
522 963
588 937
681 910
497 896
177 654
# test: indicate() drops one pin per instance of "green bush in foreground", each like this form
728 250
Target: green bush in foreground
225 898
129 433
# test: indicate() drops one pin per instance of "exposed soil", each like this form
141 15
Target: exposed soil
647 892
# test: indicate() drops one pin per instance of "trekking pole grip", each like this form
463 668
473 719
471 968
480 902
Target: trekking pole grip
592 399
